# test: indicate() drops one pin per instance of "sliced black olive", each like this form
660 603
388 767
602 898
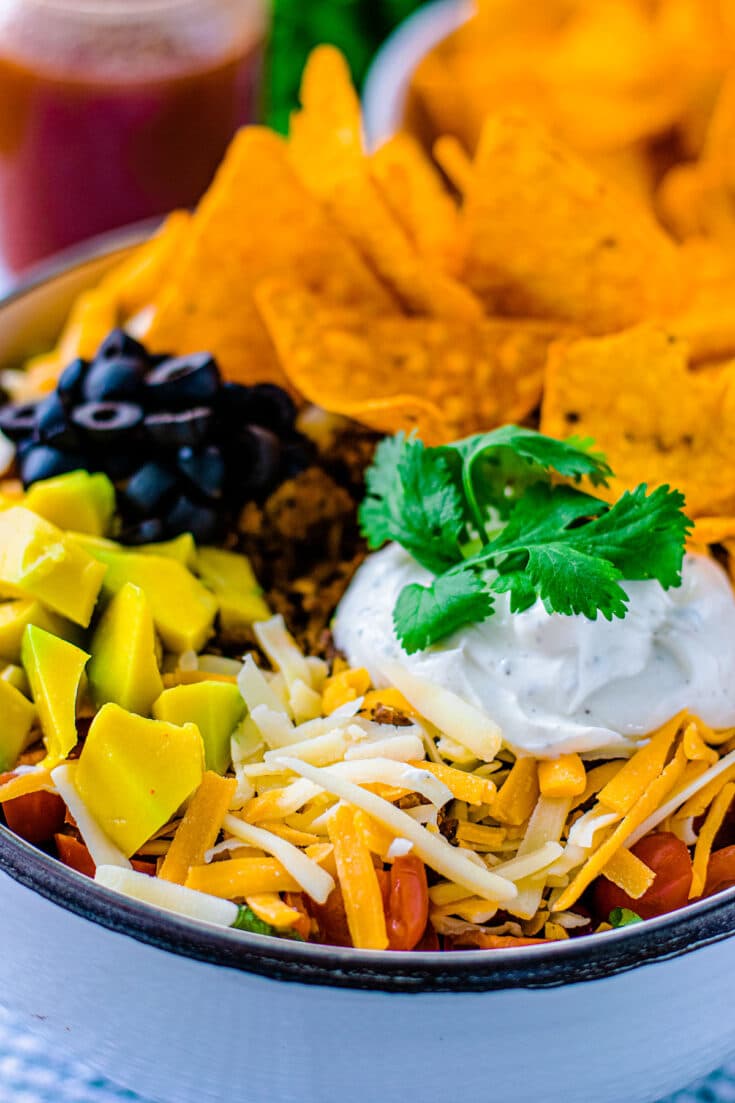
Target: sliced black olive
119 465
264 404
186 516
148 490
107 422
183 382
18 422
144 532
204 469
119 345
174 430
53 425
69 385
111 380
255 457
41 461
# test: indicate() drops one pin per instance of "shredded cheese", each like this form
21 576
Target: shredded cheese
103 850
707 836
314 880
280 647
649 800
199 828
359 882
238 878
629 873
517 797
269 907
456 718
705 788
35 781
432 849
165 894
564 776
634 778
463 786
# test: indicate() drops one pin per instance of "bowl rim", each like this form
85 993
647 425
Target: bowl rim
557 964
389 75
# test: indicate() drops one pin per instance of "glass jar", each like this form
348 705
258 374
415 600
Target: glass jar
115 110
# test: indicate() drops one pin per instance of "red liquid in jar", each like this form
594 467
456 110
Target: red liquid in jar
114 130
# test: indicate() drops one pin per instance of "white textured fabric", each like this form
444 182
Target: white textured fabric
30 1074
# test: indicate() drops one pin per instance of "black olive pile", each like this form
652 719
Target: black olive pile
185 450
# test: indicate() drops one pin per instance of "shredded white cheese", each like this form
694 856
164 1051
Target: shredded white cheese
313 879
103 850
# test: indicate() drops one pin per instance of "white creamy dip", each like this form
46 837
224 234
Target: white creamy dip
555 684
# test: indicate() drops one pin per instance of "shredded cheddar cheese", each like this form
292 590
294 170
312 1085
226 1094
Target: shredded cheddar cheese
199 828
629 873
359 882
562 777
707 836
518 794
633 779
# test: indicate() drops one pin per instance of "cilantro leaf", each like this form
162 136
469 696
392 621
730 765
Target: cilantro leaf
498 467
425 614
642 534
412 498
488 515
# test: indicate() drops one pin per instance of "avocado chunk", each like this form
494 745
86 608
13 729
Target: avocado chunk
133 773
124 667
79 501
18 715
215 707
16 615
183 609
38 560
16 676
230 578
54 668
182 548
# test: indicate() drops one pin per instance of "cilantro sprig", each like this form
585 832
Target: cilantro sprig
499 513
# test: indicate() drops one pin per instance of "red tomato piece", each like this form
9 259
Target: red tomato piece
408 903
331 918
36 817
74 854
671 862
303 926
720 871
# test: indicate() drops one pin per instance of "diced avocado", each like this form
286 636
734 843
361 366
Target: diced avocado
182 548
183 609
16 615
215 707
79 501
230 578
18 714
124 667
54 668
37 560
133 773
90 543
17 677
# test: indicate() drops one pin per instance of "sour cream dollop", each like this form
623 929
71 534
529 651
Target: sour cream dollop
556 684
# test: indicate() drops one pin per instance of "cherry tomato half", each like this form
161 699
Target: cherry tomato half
670 860
331 919
720 871
408 903
74 854
36 817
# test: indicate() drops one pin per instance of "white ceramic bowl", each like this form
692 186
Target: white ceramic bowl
387 81
186 1013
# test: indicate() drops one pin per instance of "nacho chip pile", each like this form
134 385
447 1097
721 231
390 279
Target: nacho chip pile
565 259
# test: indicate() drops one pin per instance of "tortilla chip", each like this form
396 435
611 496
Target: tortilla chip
656 421
419 201
326 149
135 282
256 221
444 378
547 238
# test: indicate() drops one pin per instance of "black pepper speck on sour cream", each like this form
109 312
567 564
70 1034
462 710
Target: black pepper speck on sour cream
555 684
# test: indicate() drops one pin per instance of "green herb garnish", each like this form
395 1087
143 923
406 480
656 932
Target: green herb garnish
493 514
623 917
